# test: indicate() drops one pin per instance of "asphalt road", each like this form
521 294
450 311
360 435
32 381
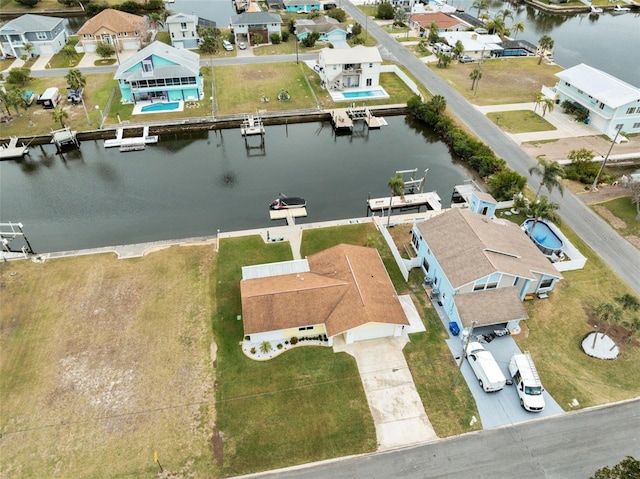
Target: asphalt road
571 446
621 256
618 253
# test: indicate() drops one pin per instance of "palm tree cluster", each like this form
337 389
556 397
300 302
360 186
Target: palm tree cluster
612 313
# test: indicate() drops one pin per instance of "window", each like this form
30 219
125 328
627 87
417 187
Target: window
305 328
369 81
631 111
183 26
601 105
370 65
546 283
636 125
425 263
516 281
41 35
147 66
172 35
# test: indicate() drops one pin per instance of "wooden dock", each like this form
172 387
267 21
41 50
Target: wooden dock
288 214
431 200
64 137
131 144
341 120
12 150
344 118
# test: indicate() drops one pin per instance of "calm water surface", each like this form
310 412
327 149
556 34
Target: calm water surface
192 186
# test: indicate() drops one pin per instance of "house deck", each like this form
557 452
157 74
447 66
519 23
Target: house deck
431 200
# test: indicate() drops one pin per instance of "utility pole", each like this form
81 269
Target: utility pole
466 335
594 187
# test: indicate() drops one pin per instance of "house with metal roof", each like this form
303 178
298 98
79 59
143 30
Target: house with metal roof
160 72
255 27
342 291
481 269
183 30
476 45
612 103
122 30
45 34
349 68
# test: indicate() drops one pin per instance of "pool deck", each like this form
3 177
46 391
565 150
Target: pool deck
137 108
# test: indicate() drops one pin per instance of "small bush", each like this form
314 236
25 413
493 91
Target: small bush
253 350
275 38
294 340
280 346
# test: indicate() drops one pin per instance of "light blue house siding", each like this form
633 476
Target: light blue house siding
302 6
326 37
160 73
483 204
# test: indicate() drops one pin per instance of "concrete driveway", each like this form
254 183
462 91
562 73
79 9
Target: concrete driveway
396 407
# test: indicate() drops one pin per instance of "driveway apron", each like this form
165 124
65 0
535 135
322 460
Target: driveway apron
396 407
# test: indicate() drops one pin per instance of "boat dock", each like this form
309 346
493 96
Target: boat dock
343 119
431 200
252 125
133 143
64 137
12 150
288 214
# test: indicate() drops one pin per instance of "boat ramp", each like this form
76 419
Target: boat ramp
13 150
135 143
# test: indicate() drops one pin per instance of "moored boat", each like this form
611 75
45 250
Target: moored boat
287 202
596 9
621 9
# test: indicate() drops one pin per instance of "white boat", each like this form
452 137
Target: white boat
621 9
596 9
287 202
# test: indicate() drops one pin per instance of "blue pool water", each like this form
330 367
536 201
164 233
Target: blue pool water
161 107
364 94
545 238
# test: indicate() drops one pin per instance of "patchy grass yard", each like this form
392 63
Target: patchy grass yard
504 80
305 405
106 361
522 121
621 215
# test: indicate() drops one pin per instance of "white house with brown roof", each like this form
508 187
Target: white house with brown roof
481 269
121 30
342 291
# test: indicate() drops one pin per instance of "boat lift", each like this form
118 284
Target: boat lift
11 231
412 184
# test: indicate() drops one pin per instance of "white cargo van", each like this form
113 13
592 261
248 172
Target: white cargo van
485 367
525 377
50 98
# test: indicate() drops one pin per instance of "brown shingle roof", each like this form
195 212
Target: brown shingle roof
114 21
348 286
470 246
442 20
493 306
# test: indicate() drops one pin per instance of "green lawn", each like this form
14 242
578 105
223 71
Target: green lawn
623 209
305 405
522 121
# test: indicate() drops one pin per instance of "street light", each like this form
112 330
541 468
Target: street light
466 336
101 116
85 110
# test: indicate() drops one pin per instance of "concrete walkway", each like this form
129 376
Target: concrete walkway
396 407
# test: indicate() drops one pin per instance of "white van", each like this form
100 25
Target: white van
525 377
226 44
50 98
485 367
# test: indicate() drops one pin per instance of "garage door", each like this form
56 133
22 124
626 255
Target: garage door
370 332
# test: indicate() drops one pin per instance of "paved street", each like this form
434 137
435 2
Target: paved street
572 446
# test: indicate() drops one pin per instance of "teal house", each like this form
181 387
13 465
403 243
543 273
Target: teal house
302 6
160 72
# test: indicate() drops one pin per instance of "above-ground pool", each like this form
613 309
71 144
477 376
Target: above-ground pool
544 237
174 105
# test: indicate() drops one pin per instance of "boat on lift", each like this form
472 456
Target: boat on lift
596 9
284 202
621 9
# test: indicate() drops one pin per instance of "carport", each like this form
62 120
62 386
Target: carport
490 307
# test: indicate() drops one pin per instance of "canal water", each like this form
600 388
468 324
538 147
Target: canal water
193 185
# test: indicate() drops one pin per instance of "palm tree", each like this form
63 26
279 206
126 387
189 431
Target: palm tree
628 302
544 44
634 188
543 210
517 28
497 26
606 312
396 185
633 326
14 98
475 76
539 100
156 20
59 114
550 173
480 5
458 49
505 13
437 104
547 104
265 347
75 79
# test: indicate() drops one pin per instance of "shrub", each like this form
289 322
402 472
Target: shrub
385 11
280 346
253 350
285 36
584 171
294 340
275 38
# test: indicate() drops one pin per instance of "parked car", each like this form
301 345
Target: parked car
525 377
317 68
466 59
485 367
242 45
226 44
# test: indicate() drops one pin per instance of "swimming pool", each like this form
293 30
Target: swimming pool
174 105
377 93
544 237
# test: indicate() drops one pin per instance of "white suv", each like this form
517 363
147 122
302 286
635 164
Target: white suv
226 44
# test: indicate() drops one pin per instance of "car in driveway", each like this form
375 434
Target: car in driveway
466 59
242 45
317 68
226 44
